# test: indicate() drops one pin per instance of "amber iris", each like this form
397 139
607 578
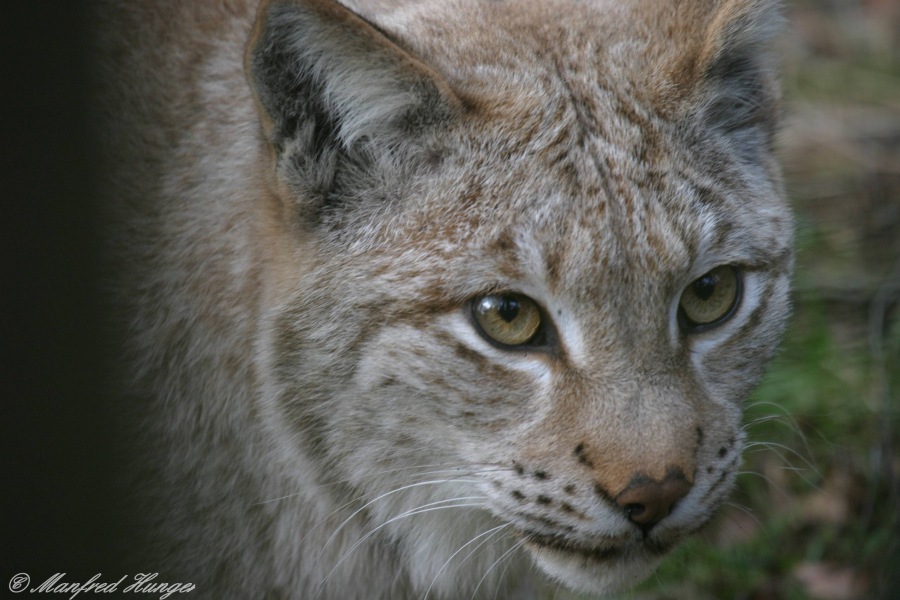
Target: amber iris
509 319
711 298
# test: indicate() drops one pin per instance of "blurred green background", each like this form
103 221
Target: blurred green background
815 515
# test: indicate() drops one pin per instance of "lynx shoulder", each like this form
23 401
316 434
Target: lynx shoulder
416 295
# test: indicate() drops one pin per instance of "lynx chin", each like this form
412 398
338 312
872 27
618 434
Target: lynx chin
437 298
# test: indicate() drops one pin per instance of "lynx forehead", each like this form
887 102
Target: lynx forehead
415 295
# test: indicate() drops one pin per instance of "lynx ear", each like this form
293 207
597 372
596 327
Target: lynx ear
336 96
727 61
739 65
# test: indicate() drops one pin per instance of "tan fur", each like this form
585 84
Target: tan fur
304 203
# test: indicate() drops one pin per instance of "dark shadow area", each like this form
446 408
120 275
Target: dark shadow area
60 463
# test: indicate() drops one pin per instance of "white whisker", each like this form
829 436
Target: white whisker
374 475
420 510
775 446
494 564
749 513
490 533
500 579
381 497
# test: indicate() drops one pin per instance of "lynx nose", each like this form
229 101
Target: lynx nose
648 501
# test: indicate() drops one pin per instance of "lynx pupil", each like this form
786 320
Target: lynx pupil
705 287
508 309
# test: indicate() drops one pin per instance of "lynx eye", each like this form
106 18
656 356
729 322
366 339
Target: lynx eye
711 298
509 319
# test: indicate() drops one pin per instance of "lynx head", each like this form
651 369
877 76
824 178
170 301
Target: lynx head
531 258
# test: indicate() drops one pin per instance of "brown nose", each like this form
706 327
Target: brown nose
648 501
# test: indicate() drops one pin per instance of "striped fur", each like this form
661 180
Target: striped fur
305 200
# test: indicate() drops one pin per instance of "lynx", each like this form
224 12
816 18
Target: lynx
438 299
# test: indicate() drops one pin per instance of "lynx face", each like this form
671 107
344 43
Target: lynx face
544 280
495 281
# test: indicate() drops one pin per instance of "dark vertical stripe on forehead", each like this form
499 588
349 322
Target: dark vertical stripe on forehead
558 253
557 152
587 127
